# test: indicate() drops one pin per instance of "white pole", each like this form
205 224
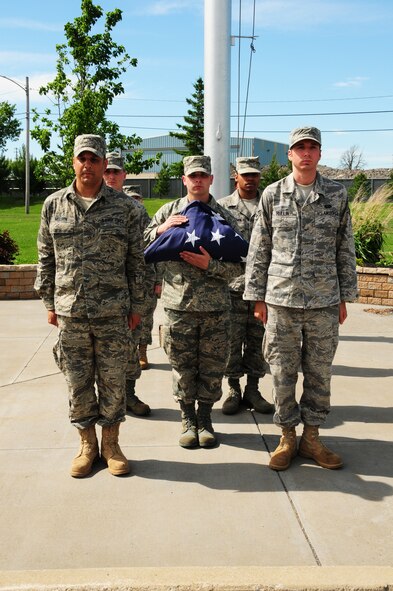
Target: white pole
27 146
217 99
27 150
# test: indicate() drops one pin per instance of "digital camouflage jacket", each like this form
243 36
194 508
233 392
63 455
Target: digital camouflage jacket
91 262
302 256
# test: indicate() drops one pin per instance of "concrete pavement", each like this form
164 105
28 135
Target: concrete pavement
218 518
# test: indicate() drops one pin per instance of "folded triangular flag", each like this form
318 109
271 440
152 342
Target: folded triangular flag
204 228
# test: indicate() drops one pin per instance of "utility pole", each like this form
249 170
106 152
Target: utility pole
27 141
217 98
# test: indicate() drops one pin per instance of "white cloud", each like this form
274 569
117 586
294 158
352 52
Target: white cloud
15 23
9 91
351 82
23 59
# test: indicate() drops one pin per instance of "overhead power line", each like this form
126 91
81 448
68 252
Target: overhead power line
269 114
272 101
323 114
287 131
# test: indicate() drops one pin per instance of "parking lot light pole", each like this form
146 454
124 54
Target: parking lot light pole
27 143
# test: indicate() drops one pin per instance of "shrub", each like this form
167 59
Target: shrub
8 249
360 188
370 222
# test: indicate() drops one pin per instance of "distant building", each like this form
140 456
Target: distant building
250 147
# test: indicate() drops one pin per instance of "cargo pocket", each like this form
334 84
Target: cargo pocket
165 338
57 353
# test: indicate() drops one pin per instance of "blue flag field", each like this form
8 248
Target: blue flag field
204 228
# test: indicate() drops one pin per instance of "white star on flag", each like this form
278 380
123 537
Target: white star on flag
192 238
216 236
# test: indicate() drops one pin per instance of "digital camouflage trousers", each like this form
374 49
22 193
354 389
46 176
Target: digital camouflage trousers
306 340
93 356
197 345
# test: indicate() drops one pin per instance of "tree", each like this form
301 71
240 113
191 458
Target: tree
162 186
193 128
352 159
89 67
272 173
18 173
4 174
10 127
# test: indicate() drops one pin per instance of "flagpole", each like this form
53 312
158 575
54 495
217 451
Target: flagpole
217 95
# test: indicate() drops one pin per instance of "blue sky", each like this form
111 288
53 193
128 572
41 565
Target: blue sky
311 57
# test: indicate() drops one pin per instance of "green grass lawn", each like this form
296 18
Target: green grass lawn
23 227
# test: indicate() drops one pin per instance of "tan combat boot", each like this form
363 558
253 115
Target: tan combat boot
111 452
206 435
285 451
143 362
88 453
311 446
189 434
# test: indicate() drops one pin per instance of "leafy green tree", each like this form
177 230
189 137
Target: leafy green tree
272 173
162 186
176 169
193 128
89 67
4 174
360 187
18 173
10 127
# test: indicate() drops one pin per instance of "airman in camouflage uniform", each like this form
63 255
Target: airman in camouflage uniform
153 285
246 331
301 271
114 177
90 278
196 301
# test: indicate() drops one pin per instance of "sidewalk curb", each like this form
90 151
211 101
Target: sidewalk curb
247 578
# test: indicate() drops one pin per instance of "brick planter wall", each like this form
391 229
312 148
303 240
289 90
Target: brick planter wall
17 282
375 285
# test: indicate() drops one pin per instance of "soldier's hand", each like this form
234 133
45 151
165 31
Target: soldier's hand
342 312
197 260
173 220
52 317
260 311
133 321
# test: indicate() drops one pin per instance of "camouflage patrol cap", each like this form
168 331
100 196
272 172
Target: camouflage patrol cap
133 190
248 165
197 164
90 143
115 160
304 133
